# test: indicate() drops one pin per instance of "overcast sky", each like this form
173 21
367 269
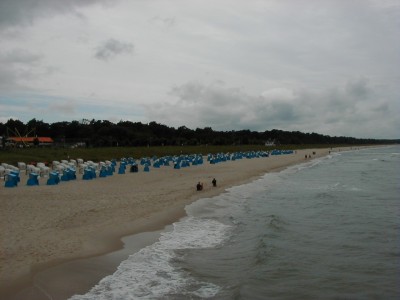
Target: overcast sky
331 67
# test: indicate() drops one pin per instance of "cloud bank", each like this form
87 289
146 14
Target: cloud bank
339 111
325 66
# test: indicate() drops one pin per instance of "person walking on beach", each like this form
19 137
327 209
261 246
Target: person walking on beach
214 182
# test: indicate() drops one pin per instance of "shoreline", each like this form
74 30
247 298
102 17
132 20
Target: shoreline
176 189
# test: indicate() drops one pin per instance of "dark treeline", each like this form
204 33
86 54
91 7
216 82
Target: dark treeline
96 133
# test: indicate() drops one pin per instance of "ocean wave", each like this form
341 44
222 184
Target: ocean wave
151 273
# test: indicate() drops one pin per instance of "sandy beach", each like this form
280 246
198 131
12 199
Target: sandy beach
43 225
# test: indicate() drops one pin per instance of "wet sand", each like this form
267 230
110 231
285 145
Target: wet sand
47 230
64 280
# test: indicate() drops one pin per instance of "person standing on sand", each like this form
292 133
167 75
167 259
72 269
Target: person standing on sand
214 182
199 186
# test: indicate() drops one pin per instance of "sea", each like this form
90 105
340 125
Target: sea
328 228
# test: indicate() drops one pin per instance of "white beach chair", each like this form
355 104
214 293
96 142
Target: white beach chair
40 165
81 167
13 168
54 164
44 170
2 172
32 169
60 168
93 164
21 166
29 168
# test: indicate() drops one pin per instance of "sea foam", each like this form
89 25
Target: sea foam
151 273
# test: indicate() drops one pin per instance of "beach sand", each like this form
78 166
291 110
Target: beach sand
44 226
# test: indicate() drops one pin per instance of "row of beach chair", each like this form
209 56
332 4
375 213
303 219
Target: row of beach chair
66 170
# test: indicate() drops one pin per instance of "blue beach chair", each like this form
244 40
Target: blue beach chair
11 180
33 179
53 178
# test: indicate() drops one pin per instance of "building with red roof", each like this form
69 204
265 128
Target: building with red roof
30 141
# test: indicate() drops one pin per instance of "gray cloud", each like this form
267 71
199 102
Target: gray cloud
359 89
18 65
332 112
20 56
8 78
110 48
25 12
326 66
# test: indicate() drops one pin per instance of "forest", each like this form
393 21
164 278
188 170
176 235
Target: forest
103 133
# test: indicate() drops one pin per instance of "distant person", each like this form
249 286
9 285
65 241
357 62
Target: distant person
214 182
199 186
